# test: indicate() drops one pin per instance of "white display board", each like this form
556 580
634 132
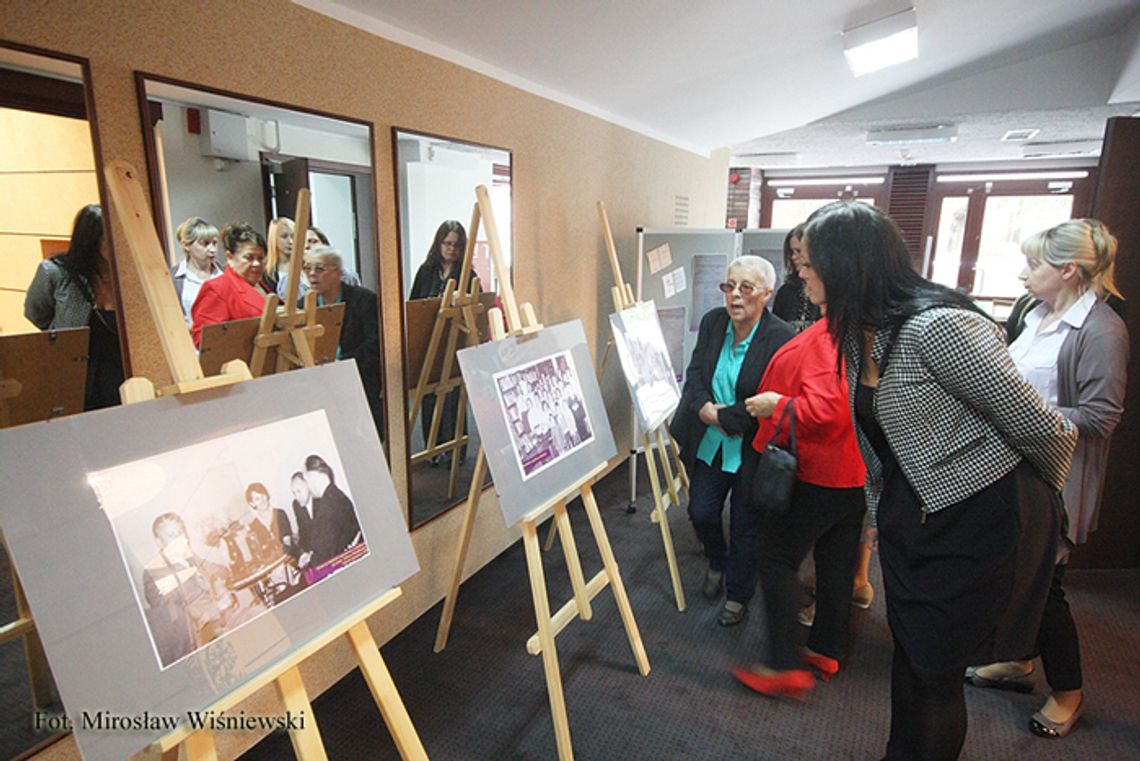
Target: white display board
173 549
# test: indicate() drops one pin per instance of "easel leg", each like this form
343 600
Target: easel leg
614 573
306 741
573 562
546 639
384 692
199 747
661 514
667 469
461 551
39 676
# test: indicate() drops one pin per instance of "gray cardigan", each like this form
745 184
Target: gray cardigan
55 300
1092 372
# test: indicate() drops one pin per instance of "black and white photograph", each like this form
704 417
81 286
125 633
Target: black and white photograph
215 534
646 364
546 417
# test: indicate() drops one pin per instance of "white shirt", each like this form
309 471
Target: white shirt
192 285
1035 353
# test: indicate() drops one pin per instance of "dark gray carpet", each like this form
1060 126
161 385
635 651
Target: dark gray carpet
484 697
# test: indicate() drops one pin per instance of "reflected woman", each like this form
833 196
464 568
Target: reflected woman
199 241
74 290
235 295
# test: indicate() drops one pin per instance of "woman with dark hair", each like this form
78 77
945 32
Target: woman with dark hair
332 528
442 264
791 303
74 290
236 294
964 465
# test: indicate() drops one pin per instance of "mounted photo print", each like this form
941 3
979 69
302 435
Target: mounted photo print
174 549
645 361
540 414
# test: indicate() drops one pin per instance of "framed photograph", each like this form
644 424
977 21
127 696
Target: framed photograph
645 361
540 414
173 549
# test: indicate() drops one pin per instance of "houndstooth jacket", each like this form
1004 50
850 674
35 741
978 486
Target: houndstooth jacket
955 411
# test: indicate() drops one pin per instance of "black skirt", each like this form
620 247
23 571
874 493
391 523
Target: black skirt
967 584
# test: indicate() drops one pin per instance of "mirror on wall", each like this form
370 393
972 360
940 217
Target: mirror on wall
60 337
218 158
436 179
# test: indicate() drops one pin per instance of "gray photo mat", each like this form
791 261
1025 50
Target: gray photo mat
646 364
480 365
82 599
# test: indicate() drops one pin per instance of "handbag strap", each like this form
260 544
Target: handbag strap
790 416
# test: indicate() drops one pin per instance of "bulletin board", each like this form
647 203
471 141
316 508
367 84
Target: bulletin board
768 244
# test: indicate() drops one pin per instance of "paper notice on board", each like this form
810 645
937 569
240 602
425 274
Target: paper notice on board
659 258
674 282
709 271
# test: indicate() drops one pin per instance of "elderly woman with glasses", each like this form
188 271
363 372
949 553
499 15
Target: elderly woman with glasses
712 427
236 295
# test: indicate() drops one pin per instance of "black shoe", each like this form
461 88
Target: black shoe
732 613
714 583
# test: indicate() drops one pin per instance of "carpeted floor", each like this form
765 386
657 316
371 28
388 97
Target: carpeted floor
484 697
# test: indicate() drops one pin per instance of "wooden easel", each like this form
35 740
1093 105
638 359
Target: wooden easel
292 333
521 322
660 449
145 252
459 310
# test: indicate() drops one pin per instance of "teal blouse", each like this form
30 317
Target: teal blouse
724 392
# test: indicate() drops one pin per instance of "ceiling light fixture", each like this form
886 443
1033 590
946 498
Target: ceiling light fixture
939 133
879 44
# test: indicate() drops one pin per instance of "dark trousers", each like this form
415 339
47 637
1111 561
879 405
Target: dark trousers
708 489
447 416
1057 639
831 521
928 711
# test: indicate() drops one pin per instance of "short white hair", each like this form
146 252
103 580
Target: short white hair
757 265
328 256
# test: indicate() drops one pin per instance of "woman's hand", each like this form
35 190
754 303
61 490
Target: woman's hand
707 413
762 405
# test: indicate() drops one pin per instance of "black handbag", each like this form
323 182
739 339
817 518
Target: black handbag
775 475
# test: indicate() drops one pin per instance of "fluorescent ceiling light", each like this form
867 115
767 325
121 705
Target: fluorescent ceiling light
939 133
1061 148
1019 135
1078 175
826 181
882 43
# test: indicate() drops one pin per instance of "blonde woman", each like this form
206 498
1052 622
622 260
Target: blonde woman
1074 351
199 241
279 239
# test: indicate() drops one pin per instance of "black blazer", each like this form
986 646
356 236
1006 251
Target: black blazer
687 428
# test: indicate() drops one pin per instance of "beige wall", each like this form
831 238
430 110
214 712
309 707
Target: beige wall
47 174
564 162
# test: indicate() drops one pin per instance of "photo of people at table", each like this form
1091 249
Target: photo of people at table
546 416
211 549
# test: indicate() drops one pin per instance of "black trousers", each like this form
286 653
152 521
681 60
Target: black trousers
831 522
934 706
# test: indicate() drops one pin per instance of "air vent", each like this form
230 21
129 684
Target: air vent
681 211
936 133
1019 135
1061 148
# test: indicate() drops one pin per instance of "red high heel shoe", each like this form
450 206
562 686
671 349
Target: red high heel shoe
827 667
795 684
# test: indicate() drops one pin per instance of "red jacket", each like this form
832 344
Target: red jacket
804 369
222 299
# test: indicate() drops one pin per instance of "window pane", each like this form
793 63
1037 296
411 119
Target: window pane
789 212
1006 222
948 244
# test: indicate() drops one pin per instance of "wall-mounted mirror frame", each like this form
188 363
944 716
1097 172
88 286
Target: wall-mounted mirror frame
292 146
43 94
435 180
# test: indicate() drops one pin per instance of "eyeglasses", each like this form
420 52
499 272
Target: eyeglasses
746 288
449 244
315 269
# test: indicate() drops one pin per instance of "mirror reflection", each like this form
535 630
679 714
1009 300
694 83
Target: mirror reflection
436 179
227 172
59 327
